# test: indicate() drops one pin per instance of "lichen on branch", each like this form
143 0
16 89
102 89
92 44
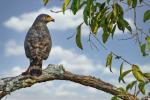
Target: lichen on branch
57 72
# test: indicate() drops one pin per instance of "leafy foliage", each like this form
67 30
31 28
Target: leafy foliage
98 15
148 41
65 4
143 48
122 91
141 87
108 15
137 73
109 61
147 76
131 85
123 74
78 36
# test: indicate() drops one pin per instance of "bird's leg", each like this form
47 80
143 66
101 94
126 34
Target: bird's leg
35 68
26 72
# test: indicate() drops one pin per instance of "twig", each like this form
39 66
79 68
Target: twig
99 42
58 11
92 43
89 41
119 57
136 28
129 37
71 36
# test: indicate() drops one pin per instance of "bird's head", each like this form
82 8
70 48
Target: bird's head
45 18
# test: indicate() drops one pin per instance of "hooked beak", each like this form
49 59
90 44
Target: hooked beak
50 19
53 20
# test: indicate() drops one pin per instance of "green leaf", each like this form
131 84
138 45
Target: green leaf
105 36
137 73
114 98
143 47
130 85
120 11
146 15
122 24
75 6
110 27
82 4
126 24
65 4
78 3
103 23
78 36
92 8
117 10
148 41
94 26
123 75
142 87
121 90
45 2
134 3
121 68
147 75
109 61
129 2
113 30
86 15
121 72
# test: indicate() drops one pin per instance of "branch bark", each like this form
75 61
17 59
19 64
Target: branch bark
57 72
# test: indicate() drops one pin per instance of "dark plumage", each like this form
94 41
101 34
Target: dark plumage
38 44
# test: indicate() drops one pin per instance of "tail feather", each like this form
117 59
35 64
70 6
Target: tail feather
35 68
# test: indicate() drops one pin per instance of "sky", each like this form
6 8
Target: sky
17 17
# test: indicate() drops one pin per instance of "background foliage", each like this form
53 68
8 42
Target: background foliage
109 15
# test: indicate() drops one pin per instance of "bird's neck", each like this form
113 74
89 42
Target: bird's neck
39 24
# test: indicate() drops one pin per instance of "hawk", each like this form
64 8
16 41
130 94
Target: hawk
38 44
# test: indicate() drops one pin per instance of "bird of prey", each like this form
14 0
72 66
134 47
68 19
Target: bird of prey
38 44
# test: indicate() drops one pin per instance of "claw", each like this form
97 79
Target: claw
35 72
26 72
32 72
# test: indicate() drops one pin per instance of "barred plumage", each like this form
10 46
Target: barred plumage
38 44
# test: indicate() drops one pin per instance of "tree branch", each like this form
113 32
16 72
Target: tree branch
57 72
